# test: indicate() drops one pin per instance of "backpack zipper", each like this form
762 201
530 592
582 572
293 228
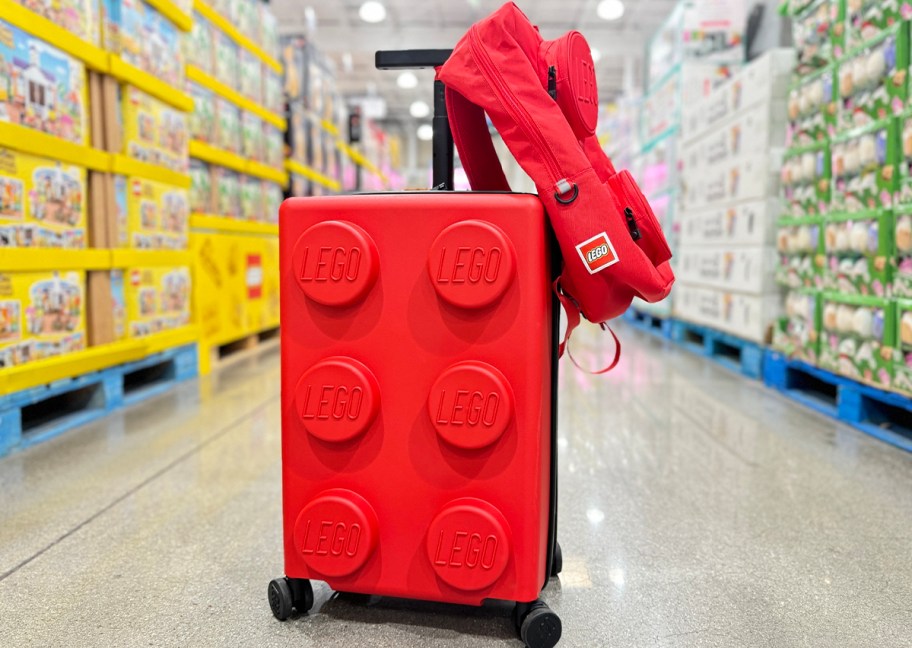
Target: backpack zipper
515 108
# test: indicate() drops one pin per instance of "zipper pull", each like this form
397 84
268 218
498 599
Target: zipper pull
552 82
632 225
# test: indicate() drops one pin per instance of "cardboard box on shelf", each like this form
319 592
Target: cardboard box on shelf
244 15
865 168
745 223
859 249
749 177
797 333
157 299
742 269
251 190
200 45
201 121
760 128
106 315
253 137
202 198
228 126
42 314
273 98
874 79
143 37
799 242
227 60
43 203
237 289
746 316
82 18
41 87
273 141
805 179
858 338
272 200
153 132
818 31
763 80
866 19
902 366
227 192
269 31
902 260
812 108
157 215
250 71
904 132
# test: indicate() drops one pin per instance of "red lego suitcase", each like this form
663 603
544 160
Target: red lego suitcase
419 394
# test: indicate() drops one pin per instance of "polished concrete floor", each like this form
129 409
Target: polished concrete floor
696 509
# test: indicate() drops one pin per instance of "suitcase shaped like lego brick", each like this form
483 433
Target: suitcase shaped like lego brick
416 333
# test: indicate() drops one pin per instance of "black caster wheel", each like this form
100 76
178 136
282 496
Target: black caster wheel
557 562
302 593
280 600
537 624
288 594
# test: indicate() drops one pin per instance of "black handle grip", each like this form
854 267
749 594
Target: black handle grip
417 58
442 145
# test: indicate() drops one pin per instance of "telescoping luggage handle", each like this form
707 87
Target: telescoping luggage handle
442 145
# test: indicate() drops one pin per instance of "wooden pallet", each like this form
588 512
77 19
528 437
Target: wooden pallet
732 352
648 322
41 413
241 347
883 414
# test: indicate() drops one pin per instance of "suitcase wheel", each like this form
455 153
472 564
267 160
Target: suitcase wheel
288 594
537 625
557 563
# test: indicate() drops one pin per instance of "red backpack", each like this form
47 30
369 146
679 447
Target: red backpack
542 98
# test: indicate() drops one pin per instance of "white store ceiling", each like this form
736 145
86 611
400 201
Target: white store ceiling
409 24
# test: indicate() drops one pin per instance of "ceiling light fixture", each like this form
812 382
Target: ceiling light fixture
425 132
610 9
372 12
596 55
407 81
419 110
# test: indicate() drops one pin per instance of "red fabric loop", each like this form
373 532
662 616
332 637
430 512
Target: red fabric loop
573 321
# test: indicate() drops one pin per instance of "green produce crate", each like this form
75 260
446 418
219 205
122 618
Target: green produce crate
858 251
858 338
864 163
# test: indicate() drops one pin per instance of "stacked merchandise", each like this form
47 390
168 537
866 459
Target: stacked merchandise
846 238
316 119
65 124
237 124
321 162
697 48
43 201
145 121
237 169
730 156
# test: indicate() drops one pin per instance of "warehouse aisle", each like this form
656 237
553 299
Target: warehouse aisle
697 508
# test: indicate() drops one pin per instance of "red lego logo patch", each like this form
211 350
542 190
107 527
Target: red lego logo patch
597 253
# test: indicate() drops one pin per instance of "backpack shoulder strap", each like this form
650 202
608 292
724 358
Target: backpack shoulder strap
473 141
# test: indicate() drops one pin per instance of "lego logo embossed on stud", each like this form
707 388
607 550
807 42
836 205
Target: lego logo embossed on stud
471 264
335 263
468 544
471 405
337 399
336 533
